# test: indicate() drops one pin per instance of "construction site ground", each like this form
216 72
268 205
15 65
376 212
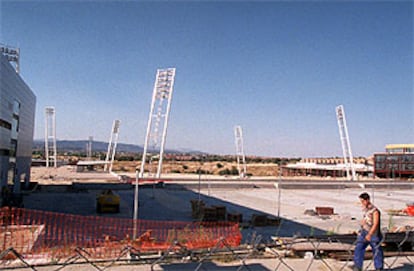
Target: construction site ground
75 193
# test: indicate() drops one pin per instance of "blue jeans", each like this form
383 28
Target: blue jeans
362 244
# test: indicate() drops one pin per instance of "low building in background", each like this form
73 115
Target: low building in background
325 167
396 162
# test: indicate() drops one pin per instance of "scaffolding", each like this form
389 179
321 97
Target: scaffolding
346 145
241 159
12 54
113 141
158 120
50 136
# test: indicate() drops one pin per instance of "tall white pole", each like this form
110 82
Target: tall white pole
113 152
348 143
113 141
279 192
136 205
108 153
147 135
54 139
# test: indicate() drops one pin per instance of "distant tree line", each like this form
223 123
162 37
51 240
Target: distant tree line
124 156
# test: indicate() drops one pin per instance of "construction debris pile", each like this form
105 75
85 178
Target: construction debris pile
408 211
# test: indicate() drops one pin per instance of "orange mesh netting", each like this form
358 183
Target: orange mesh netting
32 233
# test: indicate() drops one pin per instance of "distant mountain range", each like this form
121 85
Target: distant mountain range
98 146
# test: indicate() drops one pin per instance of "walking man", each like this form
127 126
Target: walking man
370 234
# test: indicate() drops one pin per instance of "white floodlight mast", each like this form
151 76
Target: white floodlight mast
238 134
50 136
89 147
46 137
346 145
113 141
169 84
159 115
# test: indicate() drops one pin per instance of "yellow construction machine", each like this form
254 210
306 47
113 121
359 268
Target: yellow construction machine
107 202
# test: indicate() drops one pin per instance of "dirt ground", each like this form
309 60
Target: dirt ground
173 203
188 167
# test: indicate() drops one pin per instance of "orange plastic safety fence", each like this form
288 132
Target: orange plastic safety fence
54 235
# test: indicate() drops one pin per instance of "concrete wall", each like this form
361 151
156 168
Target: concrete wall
13 90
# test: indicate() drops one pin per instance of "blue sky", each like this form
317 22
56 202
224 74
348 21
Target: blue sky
278 69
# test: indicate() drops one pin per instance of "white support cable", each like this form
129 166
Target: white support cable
345 142
241 159
116 131
108 152
158 119
113 141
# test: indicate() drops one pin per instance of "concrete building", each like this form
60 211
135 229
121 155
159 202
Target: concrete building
17 112
327 167
323 170
396 162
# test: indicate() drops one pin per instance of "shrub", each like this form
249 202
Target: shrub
202 171
226 171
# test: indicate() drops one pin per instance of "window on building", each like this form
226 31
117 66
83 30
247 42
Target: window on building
392 158
13 148
11 173
15 127
5 124
16 107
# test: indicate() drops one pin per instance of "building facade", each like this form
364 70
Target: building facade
396 162
308 169
17 112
